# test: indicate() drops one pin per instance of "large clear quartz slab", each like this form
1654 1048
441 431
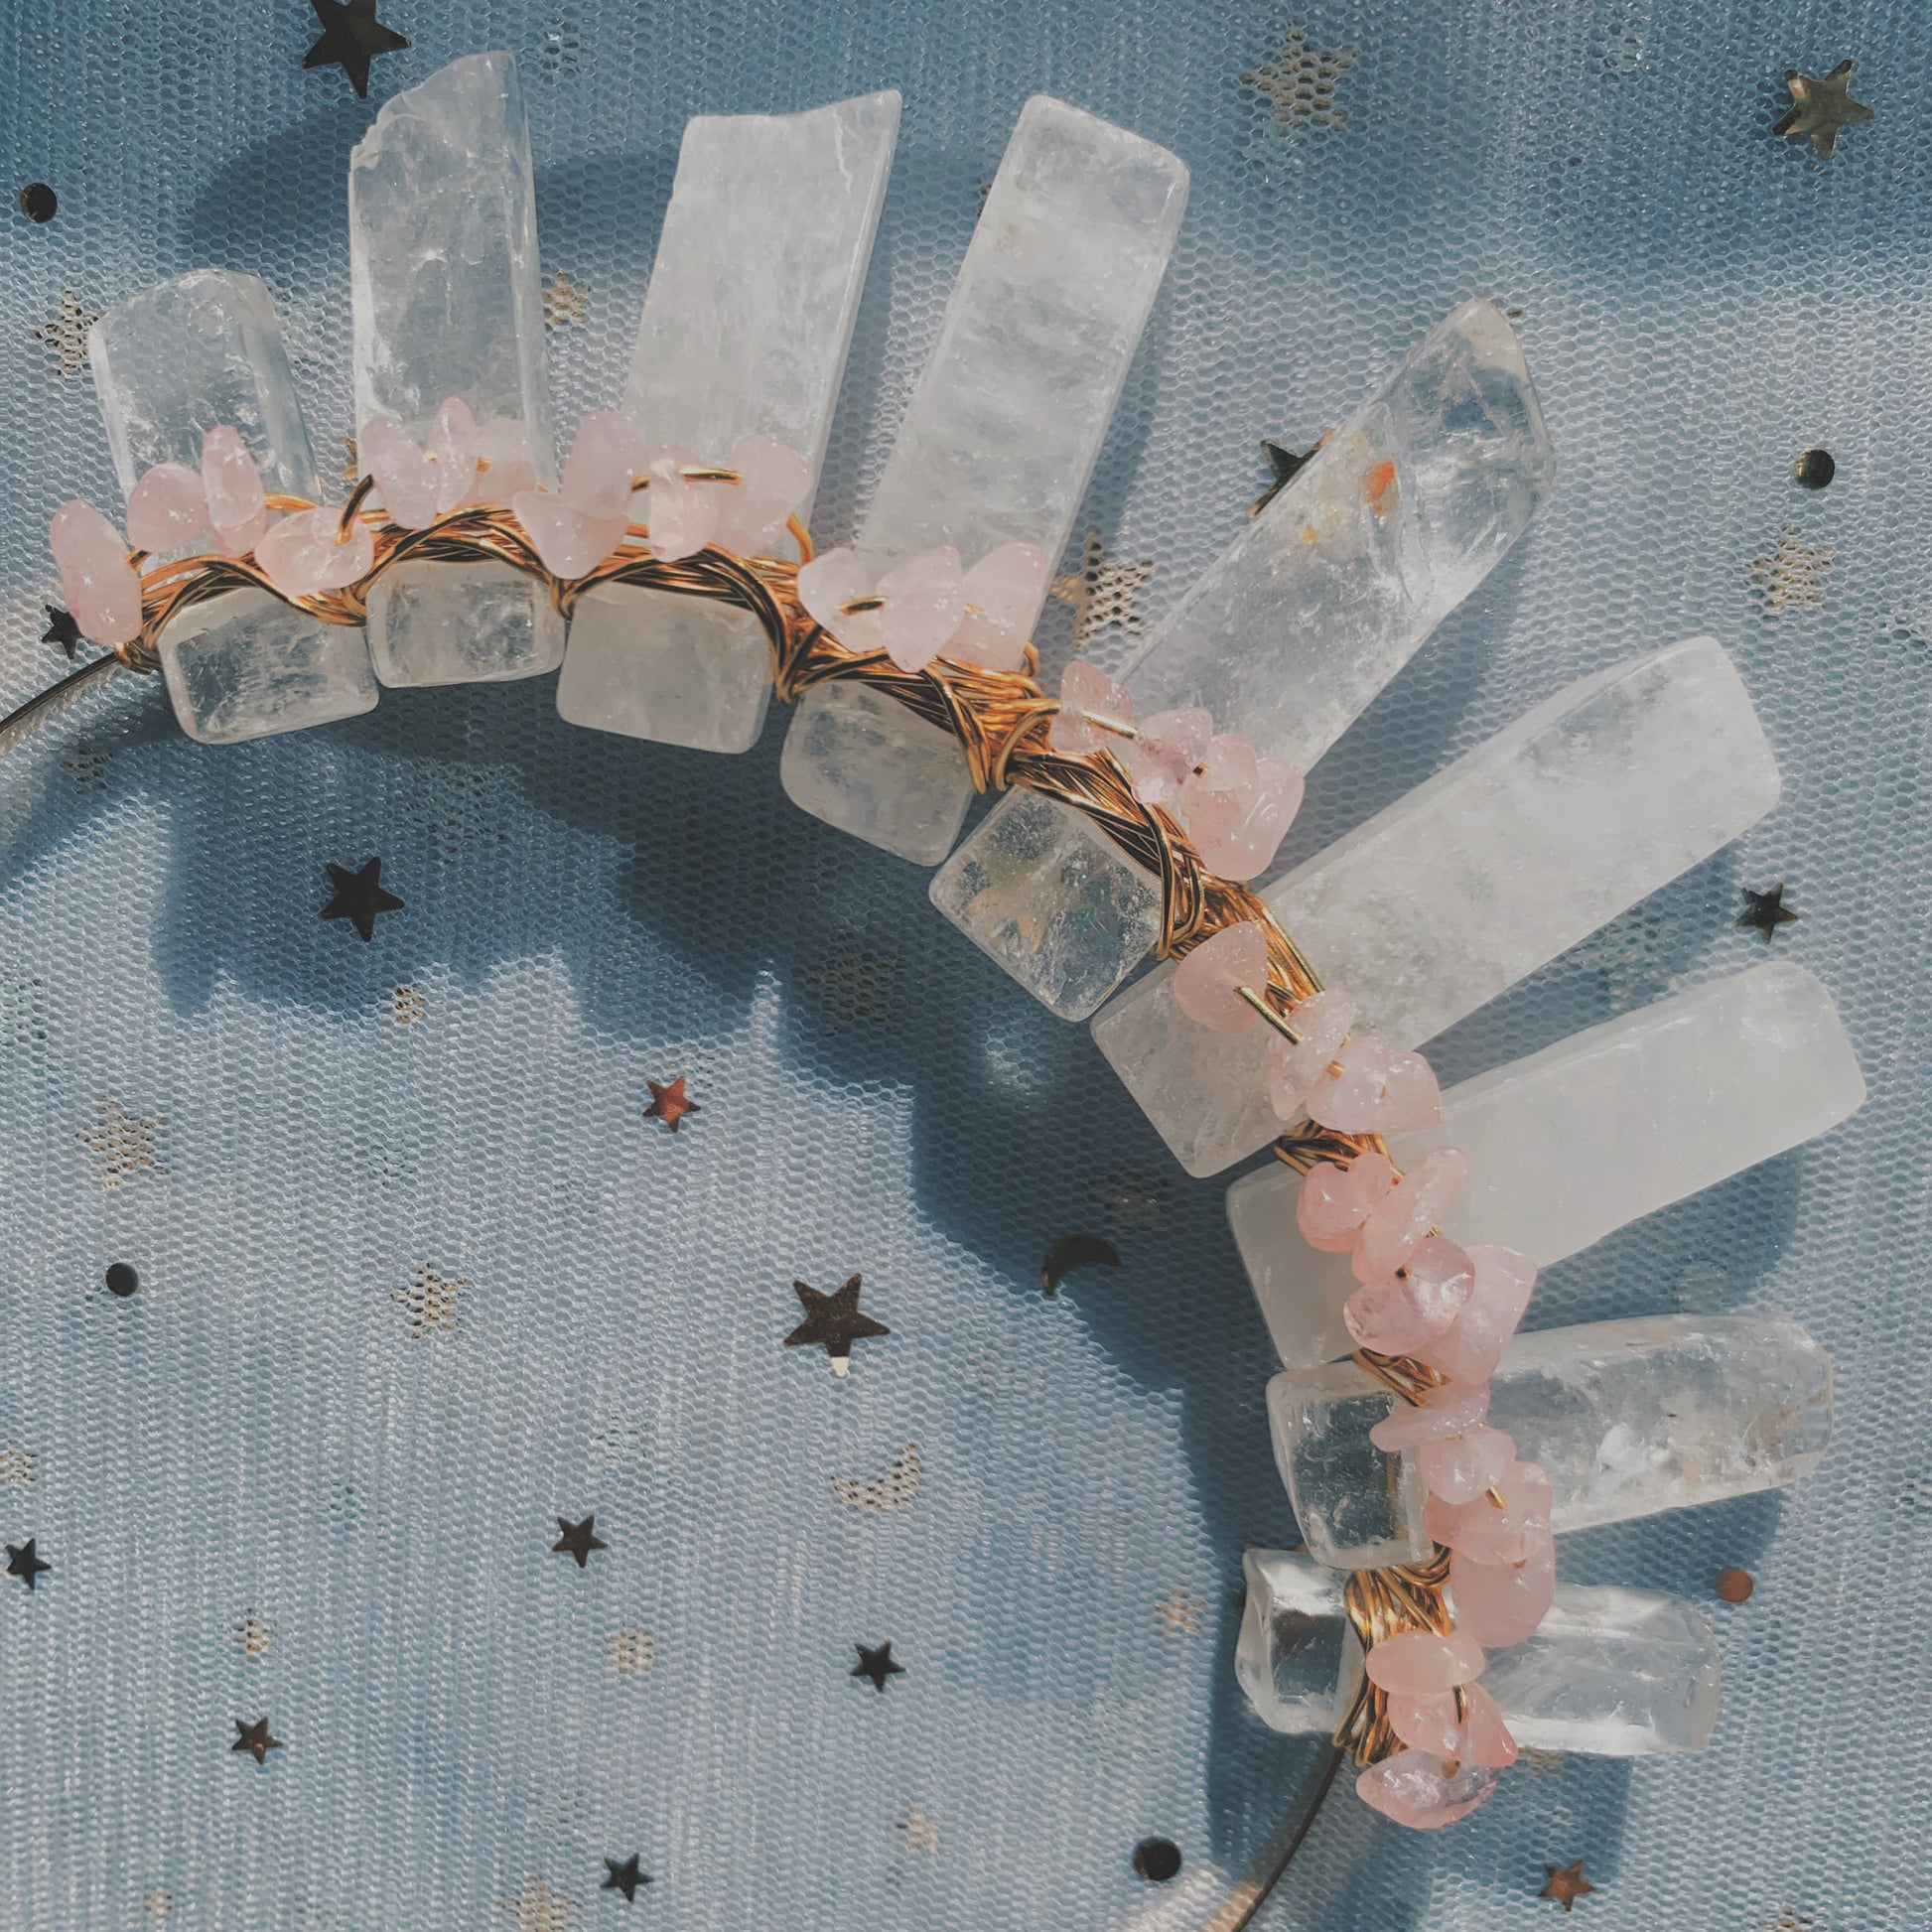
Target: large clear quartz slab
1629 1418
745 332
447 300
1000 438
1387 528
1594 1132
1046 893
1613 1672
1515 852
169 364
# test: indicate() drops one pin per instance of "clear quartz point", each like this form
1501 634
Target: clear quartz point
169 364
745 332
1477 877
1000 436
1313 608
447 300
1593 1133
1611 1672
1628 1418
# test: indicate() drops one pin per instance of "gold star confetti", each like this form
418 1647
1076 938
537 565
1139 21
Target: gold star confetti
1101 592
18 1465
123 1146
431 1300
1566 1885
1300 83
669 1102
629 1653
893 1489
407 1004
1821 109
563 302
536 1908
1178 1612
67 333
921 1829
851 983
1793 576
255 1635
158 1903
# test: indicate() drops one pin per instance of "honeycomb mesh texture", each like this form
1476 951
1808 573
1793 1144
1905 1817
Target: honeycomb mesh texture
418 1277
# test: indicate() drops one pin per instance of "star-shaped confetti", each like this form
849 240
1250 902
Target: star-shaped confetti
1102 592
1767 911
833 1321
254 1739
539 1908
1793 575
1821 109
351 37
61 629
18 1465
876 1665
922 1829
359 896
255 1634
23 1564
1299 85
431 1300
1178 1612
563 302
629 1653
67 333
669 1103
123 1145
1566 1885
624 1877
578 1540
1284 466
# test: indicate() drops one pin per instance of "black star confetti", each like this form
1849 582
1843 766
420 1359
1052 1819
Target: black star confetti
834 1321
624 1878
359 896
1284 466
351 37
23 1564
61 629
578 1540
876 1665
1821 109
254 1739
1767 911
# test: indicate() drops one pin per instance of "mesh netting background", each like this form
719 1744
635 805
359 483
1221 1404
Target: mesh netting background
265 1492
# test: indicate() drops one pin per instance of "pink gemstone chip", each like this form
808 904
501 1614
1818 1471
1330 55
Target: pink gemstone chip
405 476
1421 1660
1003 592
1165 750
166 507
919 603
453 449
1501 1604
1414 1788
1085 689
1408 1211
237 505
571 541
1472 1350
1458 1468
503 462
773 481
1244 846
682 516
598 472
301 555
1323 1020
1336 1200
1482 1531
1206 981
103 589
1485 1738
1371 1089
1426 1721
1447 1410
1411 1307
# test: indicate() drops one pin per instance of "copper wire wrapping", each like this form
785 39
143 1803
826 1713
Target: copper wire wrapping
1001 720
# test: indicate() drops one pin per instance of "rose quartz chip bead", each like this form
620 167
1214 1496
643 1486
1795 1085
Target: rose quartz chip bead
1207 982
103 589
1501 1604
1238 807
578 527
306 553
1165 750
773 481
1475 1343
1418 1789
238 507
1323 1020
1447 1411
1402 1312
919 603
1427 1721
682 516
1459 1468
1003 591
1421 1660
1336 1200
1369 1088
1406 1213
1087 693
166 507
504 464
405 476
1484 1532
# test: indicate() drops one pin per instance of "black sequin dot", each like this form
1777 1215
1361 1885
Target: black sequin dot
1156 1860
1815 469
38 202
122 1280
